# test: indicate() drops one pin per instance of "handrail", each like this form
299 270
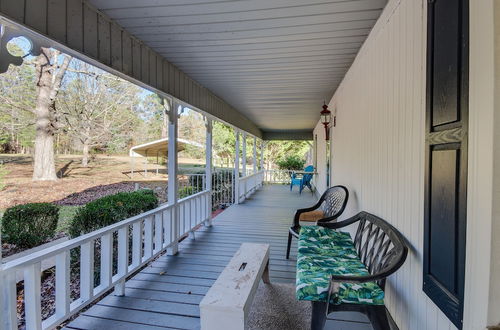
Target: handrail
249 184
76 242
278 176
152 233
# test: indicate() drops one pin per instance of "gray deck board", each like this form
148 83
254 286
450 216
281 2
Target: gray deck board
166 293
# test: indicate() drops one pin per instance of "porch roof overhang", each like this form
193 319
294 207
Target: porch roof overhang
264 66
288 135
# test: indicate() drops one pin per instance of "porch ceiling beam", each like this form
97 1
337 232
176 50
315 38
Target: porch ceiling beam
203 38
271 51
291 46
83 30
287 135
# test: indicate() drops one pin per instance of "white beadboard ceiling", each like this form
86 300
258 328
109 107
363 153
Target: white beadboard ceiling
273 60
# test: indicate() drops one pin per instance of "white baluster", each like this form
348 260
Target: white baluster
106 260
32 303
148 238
158 232
136 244
62 284
8 300
86 271
167 227
123 251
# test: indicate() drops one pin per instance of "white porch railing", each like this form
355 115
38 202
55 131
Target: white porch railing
249 184
147 235
190 184
277 176
193 210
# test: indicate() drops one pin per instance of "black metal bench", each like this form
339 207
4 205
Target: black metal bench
383 250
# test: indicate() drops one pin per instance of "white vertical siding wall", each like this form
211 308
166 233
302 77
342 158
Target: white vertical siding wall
378 147
320 179
482 289
494 300
378 153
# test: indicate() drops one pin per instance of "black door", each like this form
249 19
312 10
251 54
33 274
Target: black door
446 155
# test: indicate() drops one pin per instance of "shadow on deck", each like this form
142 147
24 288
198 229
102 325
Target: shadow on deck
166 293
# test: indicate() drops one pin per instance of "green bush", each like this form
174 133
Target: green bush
29 225
186 191
110 209
291 163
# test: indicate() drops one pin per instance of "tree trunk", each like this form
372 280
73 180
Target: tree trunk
50 76
44 168
85 154
164 123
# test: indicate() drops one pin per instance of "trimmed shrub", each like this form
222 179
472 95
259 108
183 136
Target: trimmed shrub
291 163
29 225
111 209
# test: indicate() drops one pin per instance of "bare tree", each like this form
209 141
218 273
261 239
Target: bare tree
50 66
98 108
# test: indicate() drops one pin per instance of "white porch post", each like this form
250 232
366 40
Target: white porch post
254 155
208 168
262 146
172 174
244 155
237 169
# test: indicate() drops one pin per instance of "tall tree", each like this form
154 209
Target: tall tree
98 109
17 104
154 111
50 67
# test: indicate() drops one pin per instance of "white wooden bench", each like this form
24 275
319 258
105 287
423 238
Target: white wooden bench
227 303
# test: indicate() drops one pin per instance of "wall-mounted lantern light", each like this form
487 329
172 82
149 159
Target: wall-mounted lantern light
325 120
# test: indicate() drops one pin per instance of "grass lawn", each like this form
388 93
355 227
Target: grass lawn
66 215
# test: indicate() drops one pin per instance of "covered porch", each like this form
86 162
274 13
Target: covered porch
413 88
166 294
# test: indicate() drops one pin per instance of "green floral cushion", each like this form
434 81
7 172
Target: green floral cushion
324 252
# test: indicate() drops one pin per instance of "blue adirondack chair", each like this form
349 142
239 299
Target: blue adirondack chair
302 180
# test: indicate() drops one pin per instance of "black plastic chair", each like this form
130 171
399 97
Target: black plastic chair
334 201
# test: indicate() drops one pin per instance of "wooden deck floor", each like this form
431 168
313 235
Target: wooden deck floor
165 295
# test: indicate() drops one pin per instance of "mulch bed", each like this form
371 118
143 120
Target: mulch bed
96 192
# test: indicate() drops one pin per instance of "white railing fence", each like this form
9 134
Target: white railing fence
193 210
249 184
277 176
190 183
222 187
122 249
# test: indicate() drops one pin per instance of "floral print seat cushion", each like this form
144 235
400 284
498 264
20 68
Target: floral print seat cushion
324 252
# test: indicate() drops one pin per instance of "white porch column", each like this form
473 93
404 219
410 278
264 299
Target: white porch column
244 155
208 167
254 155
172 174
262 147
237 169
